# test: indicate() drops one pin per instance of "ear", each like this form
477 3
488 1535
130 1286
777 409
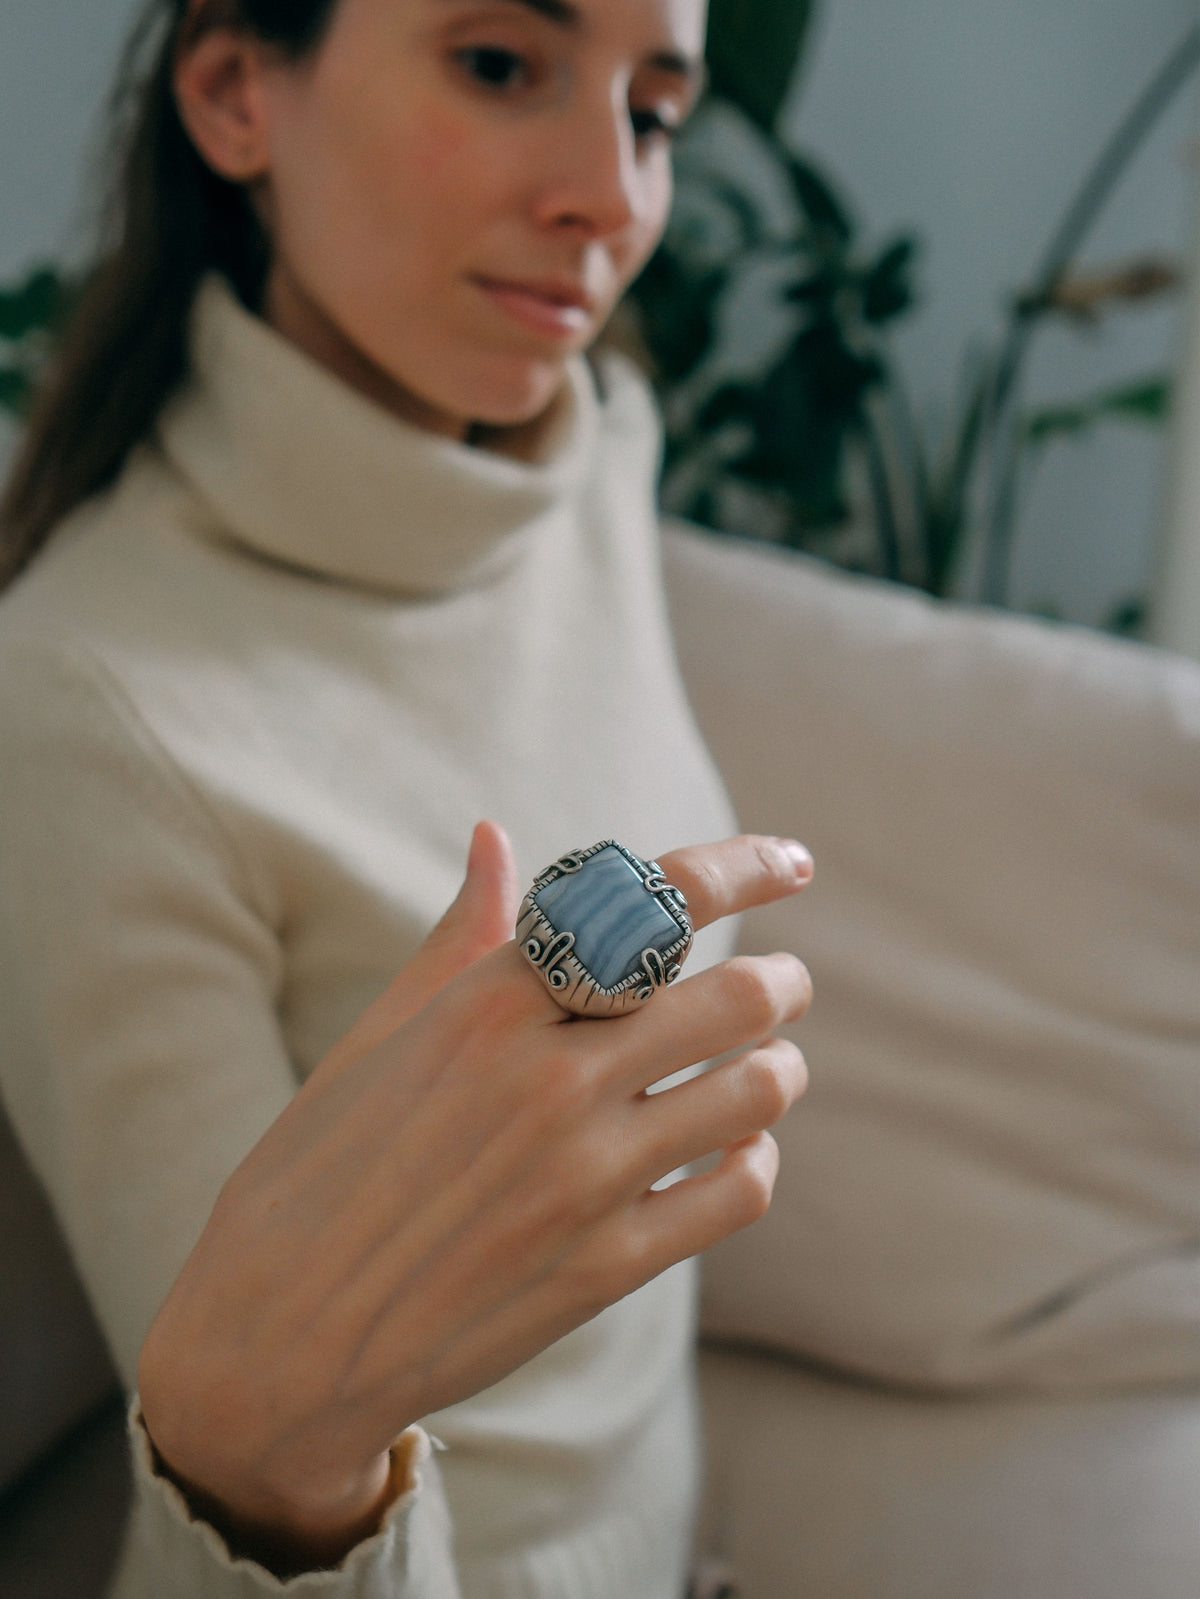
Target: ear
219 90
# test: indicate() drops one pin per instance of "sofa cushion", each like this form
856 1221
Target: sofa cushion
61 1529
995 1175
841 1490
54 1367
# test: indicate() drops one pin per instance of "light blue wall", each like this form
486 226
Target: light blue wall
57 58
969 119
973 120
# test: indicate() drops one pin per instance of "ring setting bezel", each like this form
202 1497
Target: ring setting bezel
550 940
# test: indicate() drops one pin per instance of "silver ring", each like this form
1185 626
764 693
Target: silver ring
604 930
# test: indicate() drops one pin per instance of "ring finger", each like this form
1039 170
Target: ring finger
731 1102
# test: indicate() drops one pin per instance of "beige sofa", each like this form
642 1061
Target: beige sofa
960 1359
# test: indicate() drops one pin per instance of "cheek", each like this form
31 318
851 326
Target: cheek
436 149
656 210
432 188
381 163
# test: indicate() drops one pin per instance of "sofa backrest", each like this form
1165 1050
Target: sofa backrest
994 1178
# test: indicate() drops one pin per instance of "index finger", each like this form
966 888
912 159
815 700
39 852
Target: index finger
735 874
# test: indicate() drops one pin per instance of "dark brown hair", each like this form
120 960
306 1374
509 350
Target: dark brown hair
169 220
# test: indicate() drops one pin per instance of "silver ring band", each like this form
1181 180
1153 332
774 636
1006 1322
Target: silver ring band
604 930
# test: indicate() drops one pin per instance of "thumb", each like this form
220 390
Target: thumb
480 919
483 913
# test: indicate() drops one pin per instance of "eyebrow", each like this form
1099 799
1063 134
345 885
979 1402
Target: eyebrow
564 15
559 11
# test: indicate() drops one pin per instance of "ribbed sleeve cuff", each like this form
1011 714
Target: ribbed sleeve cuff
171 1550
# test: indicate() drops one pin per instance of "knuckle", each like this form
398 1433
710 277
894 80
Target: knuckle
768 1087
755 1182
752 991
769 856
756 1185
705 888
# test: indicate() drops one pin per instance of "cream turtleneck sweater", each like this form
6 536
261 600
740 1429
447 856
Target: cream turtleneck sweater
252 702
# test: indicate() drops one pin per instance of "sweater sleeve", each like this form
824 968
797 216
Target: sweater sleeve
169 1550
142 1059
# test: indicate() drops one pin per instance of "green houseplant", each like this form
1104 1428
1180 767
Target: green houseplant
30 313
774 450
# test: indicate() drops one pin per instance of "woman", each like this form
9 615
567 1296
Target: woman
351 545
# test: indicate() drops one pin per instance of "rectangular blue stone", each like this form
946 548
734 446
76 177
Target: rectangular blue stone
613 915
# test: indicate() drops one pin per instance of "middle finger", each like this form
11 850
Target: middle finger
726 1007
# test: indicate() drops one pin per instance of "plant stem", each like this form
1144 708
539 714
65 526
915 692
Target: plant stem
1004 441
915 471
881 492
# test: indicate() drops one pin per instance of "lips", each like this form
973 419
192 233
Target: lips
557 307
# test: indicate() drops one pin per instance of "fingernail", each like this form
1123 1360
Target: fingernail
798 859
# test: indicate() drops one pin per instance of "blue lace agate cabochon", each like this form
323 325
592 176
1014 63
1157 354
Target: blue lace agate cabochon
611 912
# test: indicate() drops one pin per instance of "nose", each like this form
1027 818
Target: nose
594 182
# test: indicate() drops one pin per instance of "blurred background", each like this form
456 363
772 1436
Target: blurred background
938 146
974 124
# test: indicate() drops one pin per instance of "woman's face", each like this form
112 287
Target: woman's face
458 191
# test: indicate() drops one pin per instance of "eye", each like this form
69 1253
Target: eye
648 123
493 66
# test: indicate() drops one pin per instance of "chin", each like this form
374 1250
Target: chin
518 397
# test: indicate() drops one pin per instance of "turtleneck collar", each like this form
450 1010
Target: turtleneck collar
302 468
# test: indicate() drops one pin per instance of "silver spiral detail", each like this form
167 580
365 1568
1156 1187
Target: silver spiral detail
562 867
546 957
656 971
656 883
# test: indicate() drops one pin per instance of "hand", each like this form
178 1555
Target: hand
465 1178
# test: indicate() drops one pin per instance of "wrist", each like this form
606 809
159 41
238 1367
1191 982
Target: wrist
270 1501
290 1534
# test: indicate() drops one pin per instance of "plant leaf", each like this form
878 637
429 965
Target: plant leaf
815 195
732 402
802 414
676 314
32 305
1127 618
947 509
753 50
15 390
1147 401
887 289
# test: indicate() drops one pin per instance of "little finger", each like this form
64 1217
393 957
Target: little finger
635 1244
732 1102
666 1225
